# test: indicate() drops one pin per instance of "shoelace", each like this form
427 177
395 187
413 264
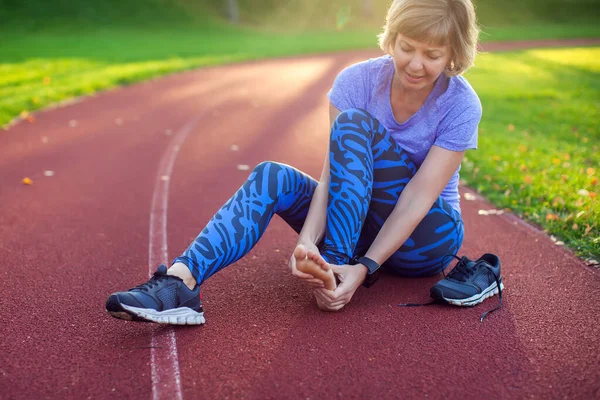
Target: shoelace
157 277
461 272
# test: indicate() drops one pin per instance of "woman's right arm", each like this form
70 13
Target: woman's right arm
313 229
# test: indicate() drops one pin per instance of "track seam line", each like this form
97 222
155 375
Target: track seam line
166 376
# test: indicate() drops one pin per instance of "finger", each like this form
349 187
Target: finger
338 304
328 294
315 284
320 297
302 275
314 280
339 269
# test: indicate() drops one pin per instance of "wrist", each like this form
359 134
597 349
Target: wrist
363 270
372 269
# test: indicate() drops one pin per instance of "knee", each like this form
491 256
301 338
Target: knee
264 168
355 121
269 170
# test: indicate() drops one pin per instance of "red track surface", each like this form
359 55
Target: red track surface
68 241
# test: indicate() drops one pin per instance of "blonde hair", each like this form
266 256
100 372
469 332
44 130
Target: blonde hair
440 22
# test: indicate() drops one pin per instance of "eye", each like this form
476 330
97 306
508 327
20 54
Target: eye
434 57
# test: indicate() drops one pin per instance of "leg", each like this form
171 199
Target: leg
230 234
271 188
440 232
361 152
369 170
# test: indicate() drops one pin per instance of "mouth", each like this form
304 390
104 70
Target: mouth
414 78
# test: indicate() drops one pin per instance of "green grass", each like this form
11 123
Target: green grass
53 50
540 140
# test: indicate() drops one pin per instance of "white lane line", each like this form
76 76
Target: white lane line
166 378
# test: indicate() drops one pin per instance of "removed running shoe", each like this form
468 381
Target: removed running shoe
469 283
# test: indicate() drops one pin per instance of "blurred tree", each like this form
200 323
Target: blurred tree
368 9
233 11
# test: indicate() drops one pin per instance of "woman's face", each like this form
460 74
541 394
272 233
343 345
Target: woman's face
419 64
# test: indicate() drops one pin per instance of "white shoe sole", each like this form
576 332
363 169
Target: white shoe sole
176 316
492 290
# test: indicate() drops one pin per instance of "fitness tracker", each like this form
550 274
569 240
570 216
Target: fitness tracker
371 265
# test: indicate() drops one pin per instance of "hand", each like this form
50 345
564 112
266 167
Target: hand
308 279
350 277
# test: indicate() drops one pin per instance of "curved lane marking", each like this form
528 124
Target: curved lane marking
166 378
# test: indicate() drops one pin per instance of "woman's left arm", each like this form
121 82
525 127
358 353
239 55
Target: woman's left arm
414 203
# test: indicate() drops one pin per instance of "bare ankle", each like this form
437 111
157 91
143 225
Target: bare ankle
182 271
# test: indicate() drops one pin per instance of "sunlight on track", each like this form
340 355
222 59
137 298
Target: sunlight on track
166 377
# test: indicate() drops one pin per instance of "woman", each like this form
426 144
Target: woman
388 193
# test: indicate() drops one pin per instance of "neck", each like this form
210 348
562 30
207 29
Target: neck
402 94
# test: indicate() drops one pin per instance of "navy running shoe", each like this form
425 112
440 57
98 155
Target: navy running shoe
164 299
471 282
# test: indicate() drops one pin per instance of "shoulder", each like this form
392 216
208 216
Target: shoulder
460 97
366 69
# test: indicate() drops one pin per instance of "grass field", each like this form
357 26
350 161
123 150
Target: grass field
53 50
540 140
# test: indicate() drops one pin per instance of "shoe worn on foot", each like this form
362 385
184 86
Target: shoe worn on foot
164 299
470 282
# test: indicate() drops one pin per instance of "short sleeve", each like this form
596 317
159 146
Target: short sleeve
458 130
349 88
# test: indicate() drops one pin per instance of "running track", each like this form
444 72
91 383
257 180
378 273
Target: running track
69 240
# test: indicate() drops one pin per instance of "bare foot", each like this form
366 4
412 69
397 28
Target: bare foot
312 263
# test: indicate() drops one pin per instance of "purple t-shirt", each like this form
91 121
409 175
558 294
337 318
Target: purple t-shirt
449 117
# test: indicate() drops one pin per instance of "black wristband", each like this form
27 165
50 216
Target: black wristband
372 267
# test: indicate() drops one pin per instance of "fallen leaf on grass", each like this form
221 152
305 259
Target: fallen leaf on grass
594 182
511 127
590 171
27 181
592 263
528 179
575 227
552 217
47 80
583 192
588 229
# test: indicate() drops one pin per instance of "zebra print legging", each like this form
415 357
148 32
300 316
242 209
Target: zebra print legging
369 170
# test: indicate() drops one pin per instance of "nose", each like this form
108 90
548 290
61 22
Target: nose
416 63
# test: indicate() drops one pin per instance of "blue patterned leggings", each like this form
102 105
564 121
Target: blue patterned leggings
368 169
